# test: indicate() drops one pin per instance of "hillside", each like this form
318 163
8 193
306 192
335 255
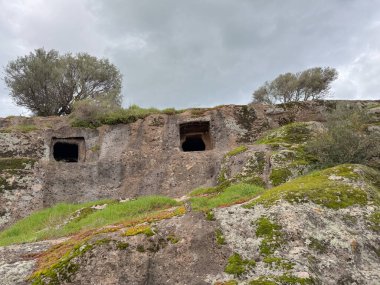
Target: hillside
227 195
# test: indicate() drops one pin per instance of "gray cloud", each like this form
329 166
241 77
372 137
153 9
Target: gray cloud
203 52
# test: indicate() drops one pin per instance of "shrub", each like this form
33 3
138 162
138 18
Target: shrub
94 113
346 139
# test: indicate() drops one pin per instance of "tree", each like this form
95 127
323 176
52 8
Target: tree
49 84
310 84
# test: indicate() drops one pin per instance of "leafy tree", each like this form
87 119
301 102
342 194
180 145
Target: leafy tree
49 84
310 84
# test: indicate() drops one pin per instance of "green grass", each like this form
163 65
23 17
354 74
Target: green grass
205 191
23 128
43 224
237 150
117 116
331 193
234 194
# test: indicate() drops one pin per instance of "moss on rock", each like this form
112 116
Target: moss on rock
291 133
237 265
338 187
279 176
271 235
15 163
237 150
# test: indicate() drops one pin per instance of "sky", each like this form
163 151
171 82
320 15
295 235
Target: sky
201 53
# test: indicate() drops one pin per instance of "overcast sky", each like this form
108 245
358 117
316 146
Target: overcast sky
198 53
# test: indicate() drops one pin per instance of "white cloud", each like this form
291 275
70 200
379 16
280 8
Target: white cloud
360 78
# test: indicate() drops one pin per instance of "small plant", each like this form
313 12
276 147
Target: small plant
220 237
122 245
140 248
172 239
210 216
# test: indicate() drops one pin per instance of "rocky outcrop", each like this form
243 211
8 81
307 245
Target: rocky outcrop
306 227
129 160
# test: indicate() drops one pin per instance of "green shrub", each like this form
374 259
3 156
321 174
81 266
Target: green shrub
346 140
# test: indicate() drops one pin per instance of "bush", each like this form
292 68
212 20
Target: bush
346 139
94 113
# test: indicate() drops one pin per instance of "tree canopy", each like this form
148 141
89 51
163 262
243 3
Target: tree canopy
310 84
49 84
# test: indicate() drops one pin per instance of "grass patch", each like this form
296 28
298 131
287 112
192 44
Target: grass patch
333 188
23 128
115 116
43 224
205 191
237 150
234 194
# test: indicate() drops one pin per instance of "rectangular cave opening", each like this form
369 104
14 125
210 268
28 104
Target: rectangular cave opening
68 149
195 136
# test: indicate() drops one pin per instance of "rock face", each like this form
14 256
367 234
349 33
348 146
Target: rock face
319 228
188 259
145 157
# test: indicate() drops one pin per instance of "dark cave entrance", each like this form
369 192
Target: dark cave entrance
193 143
68 149
68 152
195 136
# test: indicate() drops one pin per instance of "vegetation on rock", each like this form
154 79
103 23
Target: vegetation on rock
234 194
93 114
347 139
62 219
337 187
15 163
237 265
